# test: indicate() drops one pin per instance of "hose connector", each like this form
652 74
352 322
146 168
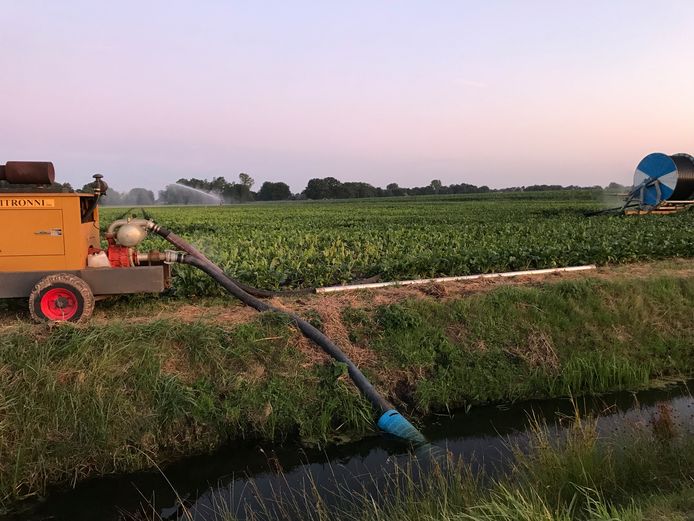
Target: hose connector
172 256
392 422
151 226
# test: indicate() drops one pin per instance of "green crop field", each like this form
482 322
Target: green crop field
300 244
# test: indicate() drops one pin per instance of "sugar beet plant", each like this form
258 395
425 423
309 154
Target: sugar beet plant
314 244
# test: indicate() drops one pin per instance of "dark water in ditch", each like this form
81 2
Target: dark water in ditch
238 475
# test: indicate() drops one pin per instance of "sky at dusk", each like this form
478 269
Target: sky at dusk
501 93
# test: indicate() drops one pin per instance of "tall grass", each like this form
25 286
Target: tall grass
575 476
82 401
570 338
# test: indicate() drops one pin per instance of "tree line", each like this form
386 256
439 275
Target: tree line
203 191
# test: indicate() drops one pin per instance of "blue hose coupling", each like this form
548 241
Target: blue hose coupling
396 424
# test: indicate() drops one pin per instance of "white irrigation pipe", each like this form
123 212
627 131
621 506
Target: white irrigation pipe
350 287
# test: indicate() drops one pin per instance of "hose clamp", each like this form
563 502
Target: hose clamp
172 256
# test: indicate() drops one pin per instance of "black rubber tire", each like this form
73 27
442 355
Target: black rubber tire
80 290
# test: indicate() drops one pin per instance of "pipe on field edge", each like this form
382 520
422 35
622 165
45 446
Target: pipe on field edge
507 274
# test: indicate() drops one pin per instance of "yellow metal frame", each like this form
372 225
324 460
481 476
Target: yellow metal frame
44 231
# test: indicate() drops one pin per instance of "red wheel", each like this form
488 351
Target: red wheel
59 304
61 297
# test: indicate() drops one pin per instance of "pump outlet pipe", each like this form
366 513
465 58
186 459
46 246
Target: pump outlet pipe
389 419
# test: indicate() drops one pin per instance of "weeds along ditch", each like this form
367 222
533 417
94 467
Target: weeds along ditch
623 456
305 244
120 395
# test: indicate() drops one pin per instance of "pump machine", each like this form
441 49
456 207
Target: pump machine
51 250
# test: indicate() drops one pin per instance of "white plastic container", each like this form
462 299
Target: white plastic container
98 260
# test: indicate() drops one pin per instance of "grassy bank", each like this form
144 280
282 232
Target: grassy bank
644 474
80 401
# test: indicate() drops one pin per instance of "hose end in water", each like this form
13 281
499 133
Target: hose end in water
396 424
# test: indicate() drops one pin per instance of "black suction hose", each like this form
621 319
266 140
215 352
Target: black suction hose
390 420
257 292
307 329
184 245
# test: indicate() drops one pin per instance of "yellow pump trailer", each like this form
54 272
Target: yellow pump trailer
50 248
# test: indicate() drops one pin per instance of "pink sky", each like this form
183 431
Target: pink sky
498 93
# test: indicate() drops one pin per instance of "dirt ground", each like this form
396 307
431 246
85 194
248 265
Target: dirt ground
330 305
